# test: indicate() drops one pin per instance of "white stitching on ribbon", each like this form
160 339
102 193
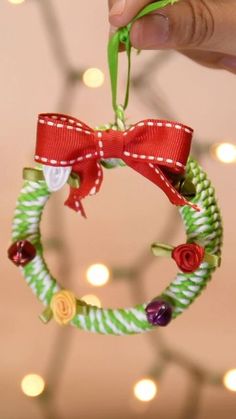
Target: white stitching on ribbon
79 128
100 144
174 191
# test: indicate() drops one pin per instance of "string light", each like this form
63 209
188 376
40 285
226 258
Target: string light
92 299
224 152
93 77
229 380
98 275
145 390
32 385
16 1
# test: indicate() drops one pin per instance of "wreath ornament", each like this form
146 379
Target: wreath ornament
69 151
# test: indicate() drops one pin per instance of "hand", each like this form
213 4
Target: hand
204 30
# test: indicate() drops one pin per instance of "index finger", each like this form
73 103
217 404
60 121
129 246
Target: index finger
121 12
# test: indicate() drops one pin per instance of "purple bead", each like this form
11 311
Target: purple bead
159 312
21 252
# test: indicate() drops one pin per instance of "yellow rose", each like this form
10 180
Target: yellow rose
63 306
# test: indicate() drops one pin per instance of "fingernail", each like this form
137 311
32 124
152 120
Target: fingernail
112 30
229 63
118 8
151 32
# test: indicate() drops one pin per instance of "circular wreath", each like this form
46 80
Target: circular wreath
158 150
197 259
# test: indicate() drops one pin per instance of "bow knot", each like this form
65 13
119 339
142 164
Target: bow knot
110 144
156 149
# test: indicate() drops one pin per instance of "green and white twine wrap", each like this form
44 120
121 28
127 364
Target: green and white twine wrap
203 227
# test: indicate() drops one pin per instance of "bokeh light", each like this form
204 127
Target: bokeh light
32 385
93 77
16 1
224 152
145 390
229 380
98 275
92 299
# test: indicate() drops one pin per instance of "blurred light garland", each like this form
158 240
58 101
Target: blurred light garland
92 299
224 152
32 385
146 388
93 77
16 2
229 380
98 275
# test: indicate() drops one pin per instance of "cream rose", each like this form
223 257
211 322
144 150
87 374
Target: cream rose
63 306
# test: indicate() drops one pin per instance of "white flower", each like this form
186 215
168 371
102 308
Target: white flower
56 177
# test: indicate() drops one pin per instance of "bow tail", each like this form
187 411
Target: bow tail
90 175
159 178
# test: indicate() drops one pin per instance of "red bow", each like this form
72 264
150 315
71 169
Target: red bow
154 148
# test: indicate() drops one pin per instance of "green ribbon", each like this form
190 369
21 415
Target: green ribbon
46 315
122 36
161 249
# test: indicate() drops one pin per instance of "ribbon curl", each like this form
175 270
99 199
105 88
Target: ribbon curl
157 149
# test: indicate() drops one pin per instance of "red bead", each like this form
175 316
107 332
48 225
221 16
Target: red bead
21 252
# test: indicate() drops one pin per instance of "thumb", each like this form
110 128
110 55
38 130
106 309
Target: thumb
189 24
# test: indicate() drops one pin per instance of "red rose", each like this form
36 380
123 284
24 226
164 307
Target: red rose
188 257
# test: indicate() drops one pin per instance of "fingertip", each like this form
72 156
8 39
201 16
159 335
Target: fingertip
116 14
118 20
150 32
112 30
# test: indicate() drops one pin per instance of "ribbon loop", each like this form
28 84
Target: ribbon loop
122 35
156 149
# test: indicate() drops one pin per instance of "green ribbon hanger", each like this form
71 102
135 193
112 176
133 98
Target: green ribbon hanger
122 36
